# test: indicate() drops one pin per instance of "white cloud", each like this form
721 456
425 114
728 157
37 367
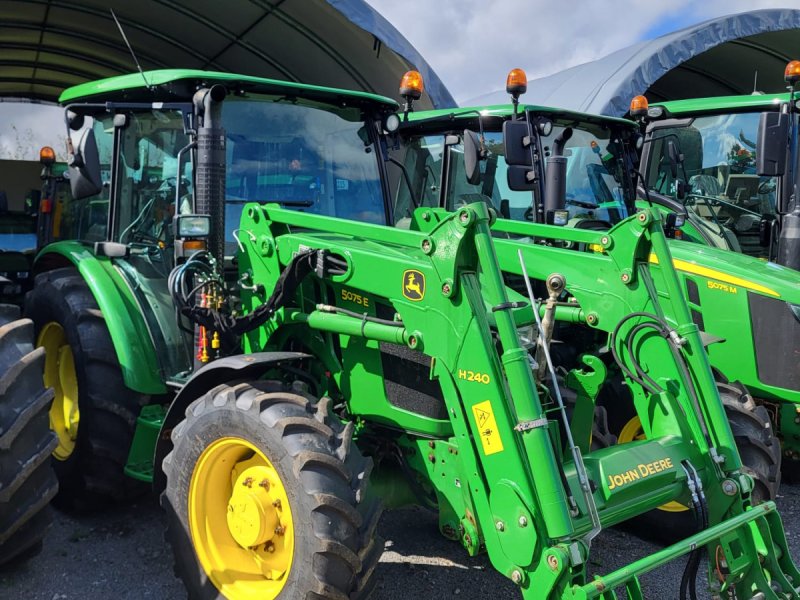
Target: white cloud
473 44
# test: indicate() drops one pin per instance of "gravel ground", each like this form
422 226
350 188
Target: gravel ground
121 555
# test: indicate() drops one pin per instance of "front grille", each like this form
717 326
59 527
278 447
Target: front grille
776 335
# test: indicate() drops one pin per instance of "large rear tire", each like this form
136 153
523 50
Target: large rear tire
93 414
27 481
266 497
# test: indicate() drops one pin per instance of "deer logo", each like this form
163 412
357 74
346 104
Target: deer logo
413 285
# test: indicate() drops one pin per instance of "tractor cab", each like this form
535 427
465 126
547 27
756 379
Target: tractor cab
135 205
727 160
432 155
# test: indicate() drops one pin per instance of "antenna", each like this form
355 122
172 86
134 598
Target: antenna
128 44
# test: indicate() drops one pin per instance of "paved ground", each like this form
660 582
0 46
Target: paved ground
121 555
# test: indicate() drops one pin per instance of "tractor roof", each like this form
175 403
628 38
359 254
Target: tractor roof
178 85
719 104
466 116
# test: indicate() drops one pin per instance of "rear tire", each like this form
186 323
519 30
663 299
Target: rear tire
27 480
93 451
331 522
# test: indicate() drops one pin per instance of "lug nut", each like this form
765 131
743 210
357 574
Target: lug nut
276 503
500 526
523 521
516 577
264 484
270 547
280 530
248 482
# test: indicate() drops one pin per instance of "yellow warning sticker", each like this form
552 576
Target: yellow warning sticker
487 428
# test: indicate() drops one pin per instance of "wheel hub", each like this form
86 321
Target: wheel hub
240 520
252 515
59 373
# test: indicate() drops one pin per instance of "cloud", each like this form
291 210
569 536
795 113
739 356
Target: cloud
472 45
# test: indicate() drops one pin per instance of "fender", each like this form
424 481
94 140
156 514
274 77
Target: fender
242 366
129 333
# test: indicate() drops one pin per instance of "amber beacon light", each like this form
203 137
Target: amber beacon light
47 155
792 72
639 106
516 82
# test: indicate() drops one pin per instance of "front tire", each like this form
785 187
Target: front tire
27 481
266 497
93 414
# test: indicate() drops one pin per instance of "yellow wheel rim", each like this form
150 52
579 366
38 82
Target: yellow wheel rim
240 520
633 431
59 373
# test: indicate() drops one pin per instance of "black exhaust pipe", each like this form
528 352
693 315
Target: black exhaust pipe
555 193
210 168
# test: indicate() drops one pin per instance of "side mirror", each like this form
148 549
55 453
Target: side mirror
772 144
472 157
517 143
516 147
521 179
84 168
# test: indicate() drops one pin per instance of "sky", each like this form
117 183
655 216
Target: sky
472 44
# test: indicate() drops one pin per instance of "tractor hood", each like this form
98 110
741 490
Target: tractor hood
737 270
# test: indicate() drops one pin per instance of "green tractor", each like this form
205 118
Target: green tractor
736 300
252 328
727 165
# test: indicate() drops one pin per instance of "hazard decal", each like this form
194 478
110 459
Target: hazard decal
487 428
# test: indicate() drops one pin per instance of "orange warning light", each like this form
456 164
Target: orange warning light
411 85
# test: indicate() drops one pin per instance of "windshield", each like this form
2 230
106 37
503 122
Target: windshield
596 190
318 159
725 193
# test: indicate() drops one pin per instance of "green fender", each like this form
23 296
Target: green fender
129 333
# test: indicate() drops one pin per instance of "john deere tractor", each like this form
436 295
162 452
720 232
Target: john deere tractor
577 170
288 357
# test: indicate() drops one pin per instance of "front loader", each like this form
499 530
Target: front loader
746 308
413 356
294 362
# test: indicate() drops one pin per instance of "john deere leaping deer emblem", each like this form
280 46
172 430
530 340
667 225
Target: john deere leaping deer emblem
413 285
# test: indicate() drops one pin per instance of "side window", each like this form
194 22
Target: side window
421 158
493 187
149 174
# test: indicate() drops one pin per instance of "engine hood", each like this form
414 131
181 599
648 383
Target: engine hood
739 270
